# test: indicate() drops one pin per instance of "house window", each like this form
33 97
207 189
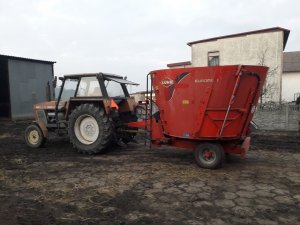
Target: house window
213 59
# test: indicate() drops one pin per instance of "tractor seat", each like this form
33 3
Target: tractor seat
96 92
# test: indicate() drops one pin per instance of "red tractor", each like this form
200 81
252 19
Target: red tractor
91 108
205 109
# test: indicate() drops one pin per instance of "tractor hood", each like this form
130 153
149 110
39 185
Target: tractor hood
47 105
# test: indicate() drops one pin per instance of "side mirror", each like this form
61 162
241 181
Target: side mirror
61 78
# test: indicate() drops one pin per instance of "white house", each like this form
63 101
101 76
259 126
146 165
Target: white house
142 95
259 47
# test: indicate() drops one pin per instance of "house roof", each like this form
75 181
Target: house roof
286 33
25 59
185 63
291 61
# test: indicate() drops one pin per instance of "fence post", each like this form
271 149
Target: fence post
286 117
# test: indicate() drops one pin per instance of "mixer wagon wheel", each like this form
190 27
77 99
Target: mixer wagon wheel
209 155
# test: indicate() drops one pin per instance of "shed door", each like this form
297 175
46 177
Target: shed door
4 90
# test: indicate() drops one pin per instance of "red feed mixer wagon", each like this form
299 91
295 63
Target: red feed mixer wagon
205 109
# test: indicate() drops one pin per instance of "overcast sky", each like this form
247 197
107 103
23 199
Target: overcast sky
131 37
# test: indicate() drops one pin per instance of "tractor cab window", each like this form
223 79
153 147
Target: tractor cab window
69 89
88 87
114 89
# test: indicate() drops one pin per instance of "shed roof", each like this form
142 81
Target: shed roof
291 61
286 33
25 59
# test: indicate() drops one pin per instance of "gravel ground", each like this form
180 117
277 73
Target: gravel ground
133 185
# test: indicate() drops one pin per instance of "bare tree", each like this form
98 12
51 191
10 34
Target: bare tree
270 87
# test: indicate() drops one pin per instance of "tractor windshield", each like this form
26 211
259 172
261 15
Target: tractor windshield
69 89
114 89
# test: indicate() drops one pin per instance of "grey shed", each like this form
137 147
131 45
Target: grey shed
23 82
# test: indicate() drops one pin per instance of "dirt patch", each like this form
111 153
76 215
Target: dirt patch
133 185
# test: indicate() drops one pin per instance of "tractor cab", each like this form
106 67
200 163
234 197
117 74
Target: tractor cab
79 88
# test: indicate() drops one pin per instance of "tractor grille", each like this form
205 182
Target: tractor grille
42 116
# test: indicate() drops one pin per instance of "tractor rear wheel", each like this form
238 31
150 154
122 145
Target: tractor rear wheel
34 136
209 155
90 129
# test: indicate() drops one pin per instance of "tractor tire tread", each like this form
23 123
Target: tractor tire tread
106 129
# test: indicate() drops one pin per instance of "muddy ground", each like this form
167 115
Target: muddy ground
133 185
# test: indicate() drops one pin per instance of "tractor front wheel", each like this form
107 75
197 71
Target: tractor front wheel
34 136
90 129
209 155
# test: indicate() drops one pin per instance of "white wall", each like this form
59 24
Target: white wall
247 50
138 97
290 85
